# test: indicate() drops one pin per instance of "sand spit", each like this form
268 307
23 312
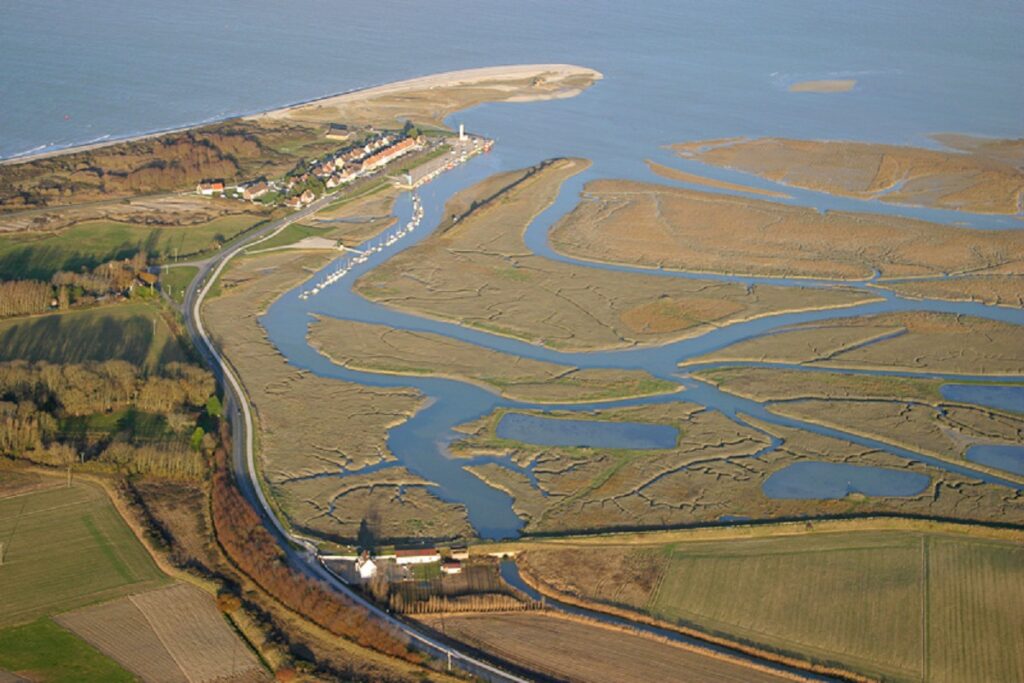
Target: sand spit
825 86
492 76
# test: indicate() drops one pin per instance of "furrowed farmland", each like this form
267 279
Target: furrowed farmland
894 605
172 634
64 548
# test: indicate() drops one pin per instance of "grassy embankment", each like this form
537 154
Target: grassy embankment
900 605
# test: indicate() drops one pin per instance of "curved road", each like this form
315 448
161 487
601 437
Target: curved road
300 552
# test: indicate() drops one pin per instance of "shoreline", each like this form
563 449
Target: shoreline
442 79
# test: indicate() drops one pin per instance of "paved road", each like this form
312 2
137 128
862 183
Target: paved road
300 552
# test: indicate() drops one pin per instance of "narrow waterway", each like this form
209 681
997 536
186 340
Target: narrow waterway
420 444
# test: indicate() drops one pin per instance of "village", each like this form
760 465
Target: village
367 158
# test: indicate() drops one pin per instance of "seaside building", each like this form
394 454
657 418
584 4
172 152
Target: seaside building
453 567
417 556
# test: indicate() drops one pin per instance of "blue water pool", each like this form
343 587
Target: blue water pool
998 397
805 480
1006 458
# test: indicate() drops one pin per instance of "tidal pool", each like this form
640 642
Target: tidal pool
548 431
1005 458
818 480
993 396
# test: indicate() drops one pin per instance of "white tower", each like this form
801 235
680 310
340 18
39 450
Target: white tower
462 132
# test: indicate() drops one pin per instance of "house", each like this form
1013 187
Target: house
453 567
460 552
338 131
293 202
210 187
417 556
254 191
366 567
307 197
147 278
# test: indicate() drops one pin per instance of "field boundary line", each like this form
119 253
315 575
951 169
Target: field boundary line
156 631
742 654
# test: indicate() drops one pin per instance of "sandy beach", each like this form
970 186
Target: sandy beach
447 79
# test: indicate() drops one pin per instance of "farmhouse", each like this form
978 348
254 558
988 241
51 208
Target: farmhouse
366 567
210 187
417 556
453 567
460 552
255 190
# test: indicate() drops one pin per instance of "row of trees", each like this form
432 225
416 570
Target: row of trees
479 602
240 530
24 297
96 387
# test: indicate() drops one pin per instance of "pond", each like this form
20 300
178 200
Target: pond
547 431
1005 458
999 397
820 480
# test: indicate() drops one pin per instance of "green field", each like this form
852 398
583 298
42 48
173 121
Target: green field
901 606
46 652
174 281
65 548
31 256
132 331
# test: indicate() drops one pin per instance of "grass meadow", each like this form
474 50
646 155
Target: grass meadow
47 652
892 605
90 243
174 281
65 548
134 331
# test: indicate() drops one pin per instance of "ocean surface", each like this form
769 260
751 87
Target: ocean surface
73 73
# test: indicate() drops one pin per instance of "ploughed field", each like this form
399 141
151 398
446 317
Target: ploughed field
576 650
83 600
902 606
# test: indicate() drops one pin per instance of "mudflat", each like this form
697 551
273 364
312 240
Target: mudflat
378 348
651 225
475 270
977 176
916 341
